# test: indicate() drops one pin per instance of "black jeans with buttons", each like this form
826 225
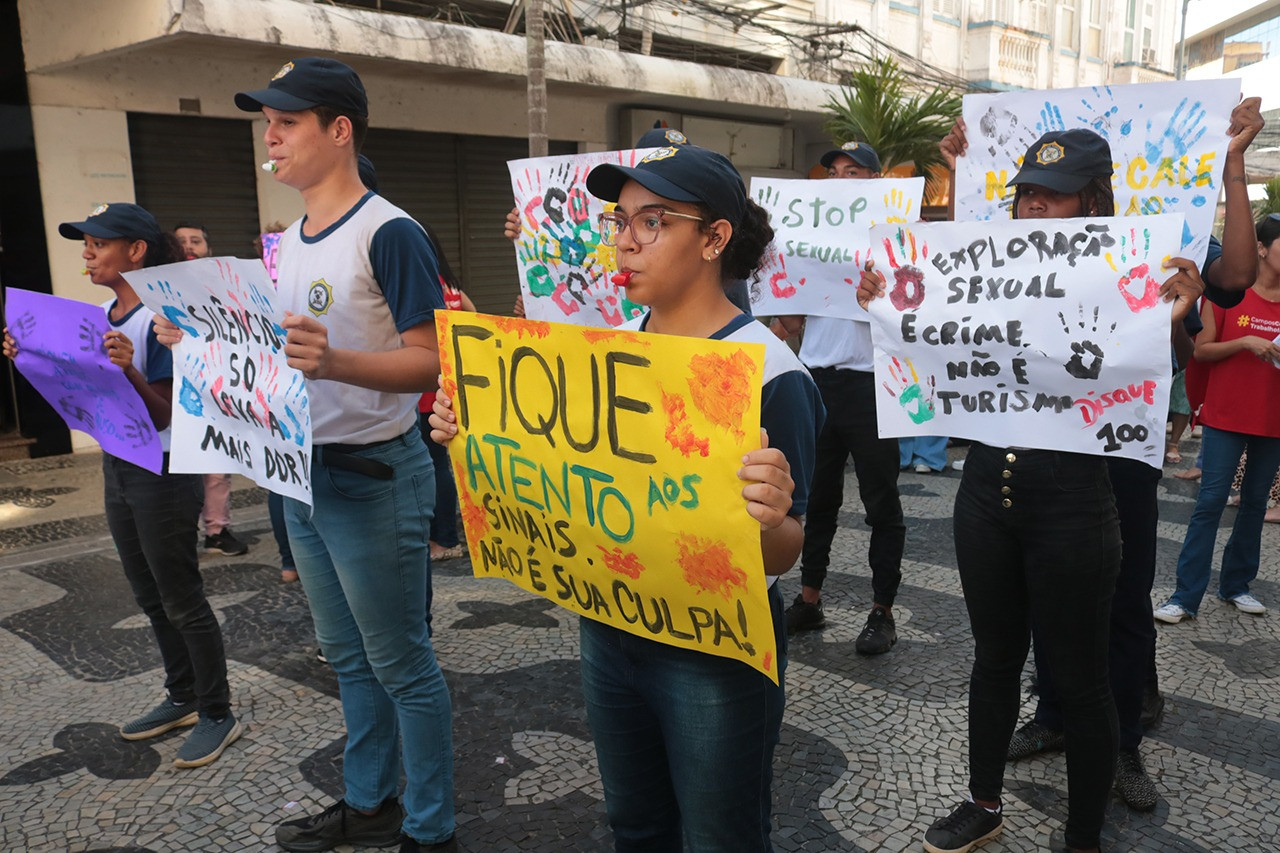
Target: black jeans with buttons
1038 538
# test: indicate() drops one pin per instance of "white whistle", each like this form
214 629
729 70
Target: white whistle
269 166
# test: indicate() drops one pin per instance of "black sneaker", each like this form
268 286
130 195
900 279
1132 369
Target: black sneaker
1033 739
965 828
1132 782
226 543
803 616
162 718
879 635
340 824
409 845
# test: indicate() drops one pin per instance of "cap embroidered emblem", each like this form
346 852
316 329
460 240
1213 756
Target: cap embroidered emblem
102 208
660 154
1050 153
284 69
676 137
850 146
319 297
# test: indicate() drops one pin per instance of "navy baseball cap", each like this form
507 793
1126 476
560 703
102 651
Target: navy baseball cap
661 135
859 152
115 221
1065 161
312 81
680 173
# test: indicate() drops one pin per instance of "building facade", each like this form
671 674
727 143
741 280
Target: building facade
132 100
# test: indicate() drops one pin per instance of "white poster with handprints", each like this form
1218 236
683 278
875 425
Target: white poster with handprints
821 240
1046 333
566 274
238 407
1168 142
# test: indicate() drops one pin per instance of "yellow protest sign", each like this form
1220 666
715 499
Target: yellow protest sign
598 468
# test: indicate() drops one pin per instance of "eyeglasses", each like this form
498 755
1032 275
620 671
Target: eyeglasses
645 224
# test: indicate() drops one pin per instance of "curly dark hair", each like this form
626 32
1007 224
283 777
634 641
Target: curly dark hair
748 245
165 249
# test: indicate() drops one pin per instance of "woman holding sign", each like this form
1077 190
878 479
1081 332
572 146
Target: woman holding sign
685 739
1038 542
153 517
1239 414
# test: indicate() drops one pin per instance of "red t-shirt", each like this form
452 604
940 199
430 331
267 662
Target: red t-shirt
452 301
1243 393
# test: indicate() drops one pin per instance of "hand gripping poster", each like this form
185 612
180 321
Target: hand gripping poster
566 275
1168 142
821 240
60 352
1043 333
238 407
598 469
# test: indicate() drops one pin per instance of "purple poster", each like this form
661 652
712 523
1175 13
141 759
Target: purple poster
60 352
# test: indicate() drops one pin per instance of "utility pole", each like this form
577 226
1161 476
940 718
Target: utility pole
535 43
1182 43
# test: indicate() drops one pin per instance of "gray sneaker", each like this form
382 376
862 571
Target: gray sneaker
207 741
341 824
1132 782
162 718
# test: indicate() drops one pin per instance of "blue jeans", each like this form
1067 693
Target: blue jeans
1038 540
444 523
362 558
1222 450
684 740
929 449
153 521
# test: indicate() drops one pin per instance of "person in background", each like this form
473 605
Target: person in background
153 517
926 454
839 353
194 239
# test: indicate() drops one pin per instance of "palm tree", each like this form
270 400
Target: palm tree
1270 204
903 127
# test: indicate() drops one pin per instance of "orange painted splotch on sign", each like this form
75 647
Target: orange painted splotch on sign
522 327
679 432
767 662
616 560
474 519
445 351
707 565
595 336
721 388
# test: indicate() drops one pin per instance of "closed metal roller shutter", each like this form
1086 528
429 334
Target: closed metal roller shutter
198 169
458 185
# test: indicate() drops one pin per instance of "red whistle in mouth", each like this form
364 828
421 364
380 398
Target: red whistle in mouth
622 279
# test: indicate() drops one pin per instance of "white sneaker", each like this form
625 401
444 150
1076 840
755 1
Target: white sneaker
1172 613
1248 604
958 465
922 468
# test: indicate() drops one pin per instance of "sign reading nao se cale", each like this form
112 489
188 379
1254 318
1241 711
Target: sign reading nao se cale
821 240
565 273
60 351
238 406
1168 143
598 468
1045 333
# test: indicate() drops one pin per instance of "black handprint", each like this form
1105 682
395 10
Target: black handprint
1084 349
75 411
90 336
138 431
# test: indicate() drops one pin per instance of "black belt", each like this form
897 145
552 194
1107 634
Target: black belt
344 456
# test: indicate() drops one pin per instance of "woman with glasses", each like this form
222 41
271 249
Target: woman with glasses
685 739
1240 413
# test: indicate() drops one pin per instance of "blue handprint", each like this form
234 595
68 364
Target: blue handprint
1183 131
1050 118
